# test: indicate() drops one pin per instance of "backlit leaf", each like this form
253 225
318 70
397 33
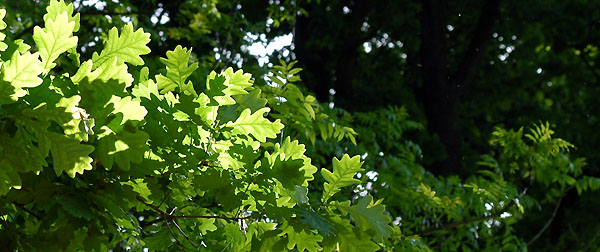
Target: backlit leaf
316 221
69 155
238 81
55 39
57 7
370 214
3 46
127 48
178 70
21 71
256 125
342 175
302 239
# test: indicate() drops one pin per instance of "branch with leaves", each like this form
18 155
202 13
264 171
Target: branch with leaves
169 216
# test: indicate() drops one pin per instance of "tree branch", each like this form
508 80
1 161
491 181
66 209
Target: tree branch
183 233
27 210
165 199
547 223
592 241
174 236
472 220
161 212
169 216
467 221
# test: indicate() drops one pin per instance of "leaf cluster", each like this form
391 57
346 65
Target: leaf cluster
114 156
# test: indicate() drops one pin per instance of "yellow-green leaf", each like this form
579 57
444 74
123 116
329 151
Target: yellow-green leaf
55 39
256 125
127 48
21 71
342 175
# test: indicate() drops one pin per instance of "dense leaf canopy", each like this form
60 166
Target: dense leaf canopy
378 126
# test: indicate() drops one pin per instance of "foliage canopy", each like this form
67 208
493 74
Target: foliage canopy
121 146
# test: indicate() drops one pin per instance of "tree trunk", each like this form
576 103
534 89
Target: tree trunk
442 92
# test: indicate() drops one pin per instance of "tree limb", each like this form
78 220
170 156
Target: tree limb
183 233
472 220
592 241
547 223
467 221
28 211
174 236
169 216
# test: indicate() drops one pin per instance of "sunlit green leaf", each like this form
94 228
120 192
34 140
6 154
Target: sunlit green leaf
367 213
256 125
69 155
21 71
342 175
178 70
55 39
58 7
127 48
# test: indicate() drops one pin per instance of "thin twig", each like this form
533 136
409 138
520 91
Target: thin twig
183 233
170 230
27 210
472 220
181 230
168 216
174 236
161 212
573 233
592 241
547 223
211 217
237 214
172 233
463 222
165 199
